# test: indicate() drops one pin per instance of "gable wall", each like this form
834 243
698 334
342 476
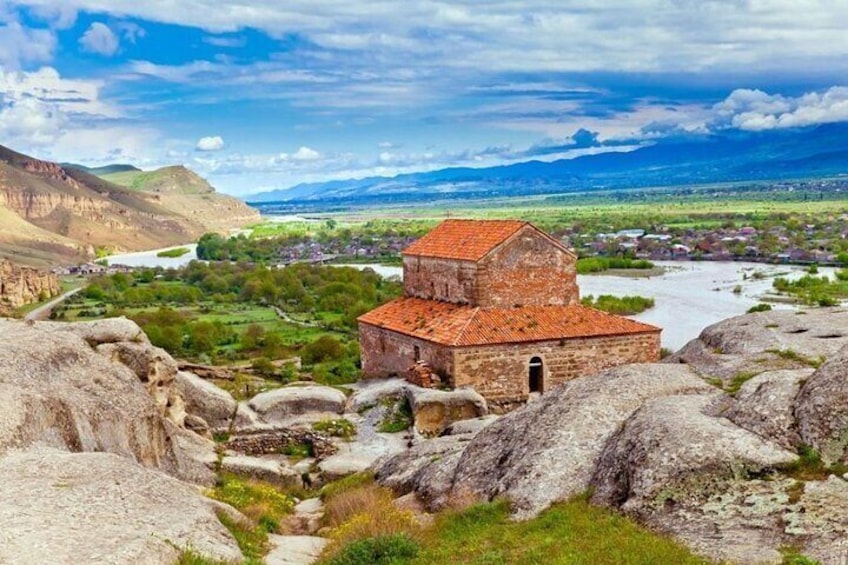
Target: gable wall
528 269
432 278
501 372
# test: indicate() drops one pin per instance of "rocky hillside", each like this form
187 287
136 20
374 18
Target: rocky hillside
21 285
179 188
736 446
53 213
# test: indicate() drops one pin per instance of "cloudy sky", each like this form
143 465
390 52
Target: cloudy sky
264 94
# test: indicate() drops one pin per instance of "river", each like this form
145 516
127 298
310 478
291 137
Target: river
151 258
689 295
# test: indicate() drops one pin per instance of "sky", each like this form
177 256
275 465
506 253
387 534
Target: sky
265 94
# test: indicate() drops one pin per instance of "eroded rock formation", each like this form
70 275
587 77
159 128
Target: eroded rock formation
22 285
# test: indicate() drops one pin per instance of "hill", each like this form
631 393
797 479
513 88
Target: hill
105 170
724 157
52 213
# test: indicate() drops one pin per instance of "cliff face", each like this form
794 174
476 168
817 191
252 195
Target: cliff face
21 285
152 209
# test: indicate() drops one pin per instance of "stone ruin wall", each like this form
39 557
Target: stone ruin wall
501 372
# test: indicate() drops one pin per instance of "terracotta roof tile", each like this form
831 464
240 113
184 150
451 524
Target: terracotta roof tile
462 325
468 240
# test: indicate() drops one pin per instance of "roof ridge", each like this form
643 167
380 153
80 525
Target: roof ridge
461 331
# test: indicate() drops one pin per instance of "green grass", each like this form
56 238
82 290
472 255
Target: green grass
338 427
379 550
176 252
189 556
790 355
252 540
261 501
572 532
346 484
399 417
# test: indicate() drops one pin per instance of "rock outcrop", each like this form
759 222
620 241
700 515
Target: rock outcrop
434 410
60 507
20 286
287 402
204 400
822 409
706 451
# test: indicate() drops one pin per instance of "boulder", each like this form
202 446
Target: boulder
306 518
671 449
287 402
821 409
548 450
470 426
435 410
371 392
765 405
155 368
427 469
97 332
749 343
819 521
202 398
55 390
59 507
267 470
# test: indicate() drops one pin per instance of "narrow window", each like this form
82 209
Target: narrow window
536 375
417 354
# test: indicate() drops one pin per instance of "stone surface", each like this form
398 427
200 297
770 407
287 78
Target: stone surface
99 508
295 550
470 426
155 368
306 518
110 330
370 393
822 409
746 344
671 449
202 398
261 469
55 390
286 402
765 405
435 410
548 450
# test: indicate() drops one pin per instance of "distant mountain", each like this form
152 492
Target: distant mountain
730 156
50 213
99 171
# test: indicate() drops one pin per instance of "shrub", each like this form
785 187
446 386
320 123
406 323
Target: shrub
762 307
325 348
257 500
398 419
380 550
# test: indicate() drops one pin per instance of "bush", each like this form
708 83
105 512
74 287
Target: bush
381 550
759 308
325 348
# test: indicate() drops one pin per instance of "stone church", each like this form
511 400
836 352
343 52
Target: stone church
494 304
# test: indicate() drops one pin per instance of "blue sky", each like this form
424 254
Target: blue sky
259 95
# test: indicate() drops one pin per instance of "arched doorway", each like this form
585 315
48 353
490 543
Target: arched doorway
537 372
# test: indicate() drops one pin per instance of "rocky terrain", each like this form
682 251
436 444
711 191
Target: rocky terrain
52 213
704 447
21 285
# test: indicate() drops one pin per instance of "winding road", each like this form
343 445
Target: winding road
43 311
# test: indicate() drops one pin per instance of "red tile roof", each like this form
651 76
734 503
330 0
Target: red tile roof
463 325
468 240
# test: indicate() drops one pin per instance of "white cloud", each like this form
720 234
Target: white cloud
532 35
99 38
20 45
755 110
306 154
211 143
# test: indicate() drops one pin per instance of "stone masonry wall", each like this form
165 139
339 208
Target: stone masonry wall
440 279
527 270
386 353
501 372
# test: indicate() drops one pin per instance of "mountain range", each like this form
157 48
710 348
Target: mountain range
64 213
729 156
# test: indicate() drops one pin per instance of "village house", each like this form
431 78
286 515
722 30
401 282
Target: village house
495 305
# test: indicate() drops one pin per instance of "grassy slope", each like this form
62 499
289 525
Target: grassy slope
568 533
